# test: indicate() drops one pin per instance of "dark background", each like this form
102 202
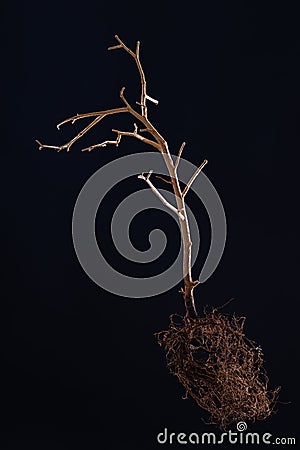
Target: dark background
81 366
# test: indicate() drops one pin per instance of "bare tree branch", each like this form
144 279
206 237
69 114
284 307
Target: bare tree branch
136 56
68 145
118 139
114 47
193 177
151 99
99 116
138 136
158 194
145 130
102 144
104 113
164 179
179 155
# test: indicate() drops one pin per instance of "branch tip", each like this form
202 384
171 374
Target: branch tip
193 177
149 174
114 47
153 100
179 155
137 49
40 144
163 179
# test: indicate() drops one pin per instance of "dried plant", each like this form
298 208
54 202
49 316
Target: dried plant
156 141
217 365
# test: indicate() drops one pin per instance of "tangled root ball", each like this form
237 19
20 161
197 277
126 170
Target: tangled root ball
219 367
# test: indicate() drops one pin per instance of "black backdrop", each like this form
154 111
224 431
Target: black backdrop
81 366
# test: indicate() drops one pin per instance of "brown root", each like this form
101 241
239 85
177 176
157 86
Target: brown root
219 367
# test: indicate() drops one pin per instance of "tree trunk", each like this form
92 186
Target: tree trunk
189 284
190 307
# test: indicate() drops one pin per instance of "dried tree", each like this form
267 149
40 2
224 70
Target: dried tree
210 355
159 143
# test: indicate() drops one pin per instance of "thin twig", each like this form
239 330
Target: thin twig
116 142
68 145
179 155
158 194
114 47
103 113
153 100
164 179
193 177
99 116
145 130
103 144
136 56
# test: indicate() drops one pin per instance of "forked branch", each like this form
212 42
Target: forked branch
159 195
99 116
136 56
